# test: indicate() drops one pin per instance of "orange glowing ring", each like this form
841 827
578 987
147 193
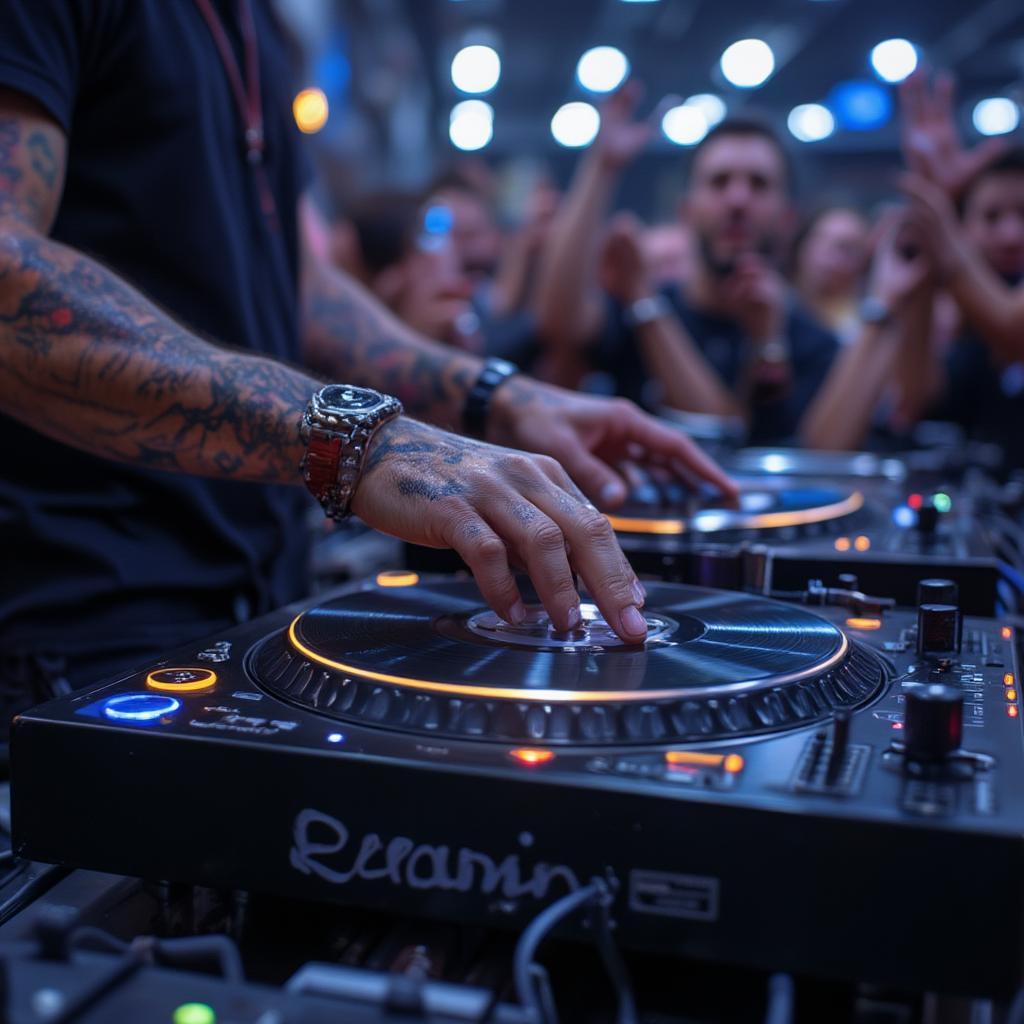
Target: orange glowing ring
554 696
204 682
754 521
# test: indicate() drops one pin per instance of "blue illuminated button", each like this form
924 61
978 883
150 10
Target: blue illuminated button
140 707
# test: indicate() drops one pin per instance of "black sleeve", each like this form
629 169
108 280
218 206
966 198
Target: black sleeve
40 51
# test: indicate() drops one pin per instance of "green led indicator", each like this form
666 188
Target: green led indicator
942 502
194 1013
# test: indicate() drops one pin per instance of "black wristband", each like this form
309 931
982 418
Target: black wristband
478 401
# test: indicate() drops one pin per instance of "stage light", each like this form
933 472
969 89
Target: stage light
748 63
811 122
684 125
476 69
602 69
471 125
860 105
894 59
996 115
310 110
711 106
575 125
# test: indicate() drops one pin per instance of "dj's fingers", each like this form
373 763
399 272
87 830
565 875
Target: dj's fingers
598 480
487 557
535 540
599 560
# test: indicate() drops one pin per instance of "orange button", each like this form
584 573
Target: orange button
181 680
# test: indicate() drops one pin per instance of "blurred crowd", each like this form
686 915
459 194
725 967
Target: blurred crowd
755 309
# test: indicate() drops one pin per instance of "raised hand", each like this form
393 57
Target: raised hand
622 137
931 143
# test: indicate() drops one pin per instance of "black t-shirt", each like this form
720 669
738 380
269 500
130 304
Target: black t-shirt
101 561
724 346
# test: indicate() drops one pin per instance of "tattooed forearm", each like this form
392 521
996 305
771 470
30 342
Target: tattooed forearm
88 361
350 337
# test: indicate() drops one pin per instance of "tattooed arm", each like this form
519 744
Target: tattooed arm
88 361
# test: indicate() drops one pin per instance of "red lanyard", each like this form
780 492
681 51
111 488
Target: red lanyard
248 96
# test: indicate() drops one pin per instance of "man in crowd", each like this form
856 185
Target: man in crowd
150 200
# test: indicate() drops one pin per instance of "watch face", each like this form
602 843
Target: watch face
348 399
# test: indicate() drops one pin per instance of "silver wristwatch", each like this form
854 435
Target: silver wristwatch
336 428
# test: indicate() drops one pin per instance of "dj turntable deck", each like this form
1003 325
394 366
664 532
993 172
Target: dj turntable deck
760 784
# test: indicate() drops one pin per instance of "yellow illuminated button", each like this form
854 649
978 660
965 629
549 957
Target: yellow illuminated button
310 110
862 543
733 764
1006 633
531 755
397 578
1008 679
856 622
694 757
181 680
1010 694
842 544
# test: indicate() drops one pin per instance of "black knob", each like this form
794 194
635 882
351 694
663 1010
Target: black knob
937 592
927 519
938 629
933 725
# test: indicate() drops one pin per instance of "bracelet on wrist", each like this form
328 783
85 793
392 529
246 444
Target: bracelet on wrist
478 399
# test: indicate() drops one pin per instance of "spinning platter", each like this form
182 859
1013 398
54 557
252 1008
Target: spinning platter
764 504
432 659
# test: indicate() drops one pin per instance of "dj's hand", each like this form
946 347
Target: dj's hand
497 508
594 437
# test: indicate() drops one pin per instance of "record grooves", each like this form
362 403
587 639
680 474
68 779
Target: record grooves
431 659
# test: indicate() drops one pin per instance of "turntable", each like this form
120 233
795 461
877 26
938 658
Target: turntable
398 746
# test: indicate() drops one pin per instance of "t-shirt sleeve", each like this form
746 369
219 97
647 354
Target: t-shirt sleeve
40 52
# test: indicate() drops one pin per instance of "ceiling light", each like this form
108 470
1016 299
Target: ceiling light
575 124
471 125
894 59
996 116
748 63
684 125
860 105
602 69
712 107
476 69
811 122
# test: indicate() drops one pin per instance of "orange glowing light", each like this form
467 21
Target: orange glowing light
694 757
733 764
1006 633
1010 694
397 578
1012 710
310 110
842 544
1008 679
862 543
531 755
866 623
163 679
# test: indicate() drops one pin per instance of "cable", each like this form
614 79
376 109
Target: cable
531 981
780 1000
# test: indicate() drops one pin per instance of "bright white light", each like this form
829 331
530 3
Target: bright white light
602 69
575 125
476 69
711 106
811 122
894 59
471 125
996 116
684 125
748 63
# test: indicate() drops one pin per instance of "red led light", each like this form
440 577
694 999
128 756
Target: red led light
915 501
1012 710
531 755
897 725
